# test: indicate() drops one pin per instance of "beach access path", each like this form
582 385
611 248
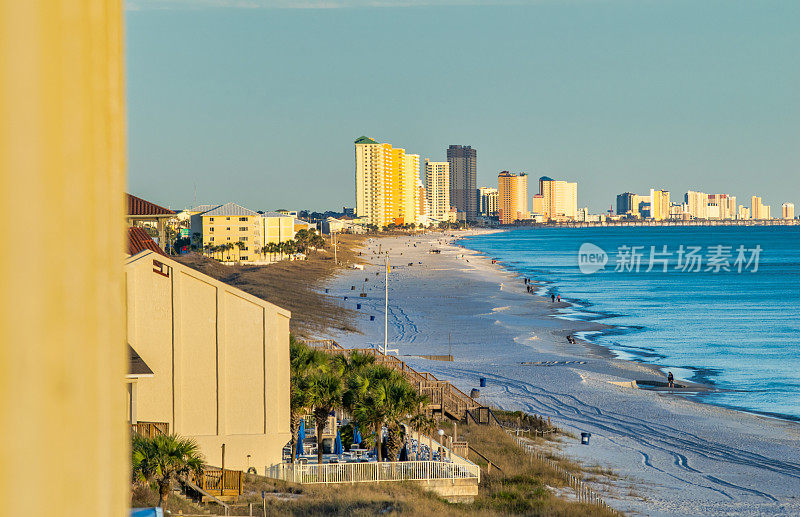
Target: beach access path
673 456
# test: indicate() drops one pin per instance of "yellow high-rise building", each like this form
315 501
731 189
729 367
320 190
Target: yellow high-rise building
659 204
758 210
385 183
787 210
559 198
512 197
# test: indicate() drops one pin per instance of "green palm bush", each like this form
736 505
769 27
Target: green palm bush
164 460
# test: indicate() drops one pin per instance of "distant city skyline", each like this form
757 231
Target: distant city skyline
613 95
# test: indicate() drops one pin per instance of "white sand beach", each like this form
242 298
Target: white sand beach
674 456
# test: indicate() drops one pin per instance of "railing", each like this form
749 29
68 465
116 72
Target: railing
150 429
219 482
582 491
443 395
330 473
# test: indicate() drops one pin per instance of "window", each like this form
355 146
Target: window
244 257
243 218
211 239
244 238
211 219
228 228
243 228
227 218
211 229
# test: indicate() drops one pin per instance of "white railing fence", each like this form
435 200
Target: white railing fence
373 472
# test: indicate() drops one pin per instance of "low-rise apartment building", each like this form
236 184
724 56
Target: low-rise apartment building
216 360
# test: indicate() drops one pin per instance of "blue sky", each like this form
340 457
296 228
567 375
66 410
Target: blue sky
258 101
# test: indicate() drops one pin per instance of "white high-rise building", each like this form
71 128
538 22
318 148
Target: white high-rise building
787 210
559 198
437 188
697 204
487 201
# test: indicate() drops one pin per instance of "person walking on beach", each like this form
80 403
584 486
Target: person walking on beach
559 298
552 298
670 380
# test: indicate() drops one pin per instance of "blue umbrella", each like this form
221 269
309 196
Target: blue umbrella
301 435
356 435
337 446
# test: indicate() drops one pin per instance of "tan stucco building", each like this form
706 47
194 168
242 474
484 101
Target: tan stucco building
219 357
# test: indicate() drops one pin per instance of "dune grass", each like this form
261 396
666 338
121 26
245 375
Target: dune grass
292 285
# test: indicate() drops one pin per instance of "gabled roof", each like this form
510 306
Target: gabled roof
202 208
139 240
229 209
136 365
138 206
365 140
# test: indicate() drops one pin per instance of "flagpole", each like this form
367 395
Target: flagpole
386 308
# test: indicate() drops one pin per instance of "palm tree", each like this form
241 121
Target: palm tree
227 247
368 398
303 362
403 401
317 241
325 395
241 245
164 459
426 425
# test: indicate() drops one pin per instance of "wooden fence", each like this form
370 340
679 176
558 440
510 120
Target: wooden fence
219 482
375 472
150 429
582 491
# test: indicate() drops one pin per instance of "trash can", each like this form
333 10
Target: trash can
475 393
585 438
483 382
358 306
372 318
345 297
326 290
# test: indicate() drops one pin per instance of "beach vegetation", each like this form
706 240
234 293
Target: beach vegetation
162 461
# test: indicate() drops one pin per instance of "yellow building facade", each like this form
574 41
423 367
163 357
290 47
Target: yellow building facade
386 178
277 227
229 224
512 197
659 204
220 361
559 199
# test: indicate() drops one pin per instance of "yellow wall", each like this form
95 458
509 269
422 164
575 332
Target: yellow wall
64 444
223 229
278 229
230 354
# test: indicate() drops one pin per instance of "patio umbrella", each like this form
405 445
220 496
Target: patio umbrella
337 446
356 435
301 435
404 453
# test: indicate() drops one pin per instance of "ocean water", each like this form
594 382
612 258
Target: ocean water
738 330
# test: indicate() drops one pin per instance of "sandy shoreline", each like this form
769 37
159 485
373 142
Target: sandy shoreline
682 457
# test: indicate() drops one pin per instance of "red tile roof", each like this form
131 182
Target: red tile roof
139 240
138 206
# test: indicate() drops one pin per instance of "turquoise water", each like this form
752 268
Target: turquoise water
739 331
